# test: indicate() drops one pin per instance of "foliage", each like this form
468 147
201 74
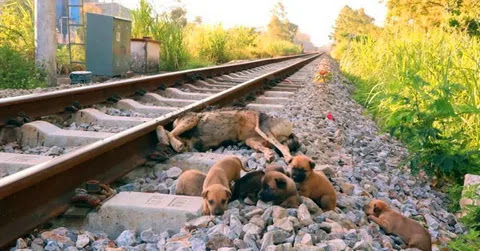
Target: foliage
17 27
422 88
471 240
173 50
352 25
446 14
167 29
279 26
18 71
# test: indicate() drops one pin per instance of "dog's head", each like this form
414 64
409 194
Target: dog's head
217 198
276 186
274 167
301 167
375 207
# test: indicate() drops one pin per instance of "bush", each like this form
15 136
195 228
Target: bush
18 72
423 88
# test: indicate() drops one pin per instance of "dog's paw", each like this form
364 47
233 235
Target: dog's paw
162 136
269 156
371 217
177 145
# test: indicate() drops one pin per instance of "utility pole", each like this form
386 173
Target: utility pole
45 39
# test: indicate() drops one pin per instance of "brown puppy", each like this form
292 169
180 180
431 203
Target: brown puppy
393 222
250 184
280 189
216 187
190 183
312 184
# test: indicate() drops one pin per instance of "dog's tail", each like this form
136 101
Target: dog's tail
243 166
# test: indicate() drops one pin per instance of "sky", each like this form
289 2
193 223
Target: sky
314 17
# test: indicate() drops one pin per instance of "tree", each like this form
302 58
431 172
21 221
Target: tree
458 14
279 25
353 24
179 16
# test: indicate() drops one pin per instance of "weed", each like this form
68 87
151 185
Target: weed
17 71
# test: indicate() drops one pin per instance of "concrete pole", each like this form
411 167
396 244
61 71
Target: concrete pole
45 39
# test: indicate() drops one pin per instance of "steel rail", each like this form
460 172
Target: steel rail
33 106
33 196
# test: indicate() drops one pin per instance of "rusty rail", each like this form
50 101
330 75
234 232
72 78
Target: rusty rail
35 195
16 109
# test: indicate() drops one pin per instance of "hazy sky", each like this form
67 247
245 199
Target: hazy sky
314 17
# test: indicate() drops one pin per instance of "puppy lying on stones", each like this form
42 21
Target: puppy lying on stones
250 184
312 184
216 187
393 222
207 130
280 189
190 183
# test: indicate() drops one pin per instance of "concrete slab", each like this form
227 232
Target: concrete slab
158 99
471 181
41 133
284 89
221 82
270 100
95 116
203 84
288 85
141 211
176 93
279 94
12 162
130 104
202 90
265 108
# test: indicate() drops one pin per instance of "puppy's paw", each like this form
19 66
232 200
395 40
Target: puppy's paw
205 211
371 217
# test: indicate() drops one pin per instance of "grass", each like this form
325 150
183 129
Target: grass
424 88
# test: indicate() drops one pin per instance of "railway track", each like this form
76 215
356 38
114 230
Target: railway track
42 191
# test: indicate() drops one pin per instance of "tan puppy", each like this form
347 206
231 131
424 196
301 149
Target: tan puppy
393 222
190 183
312 184
216 187
280 189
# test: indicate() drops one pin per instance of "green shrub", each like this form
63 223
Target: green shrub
423 88
18 72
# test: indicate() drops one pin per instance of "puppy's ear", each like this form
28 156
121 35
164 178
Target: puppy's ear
229 193
204 193
376 209
282 184
312 164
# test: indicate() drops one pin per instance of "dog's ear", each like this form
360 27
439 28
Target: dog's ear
282 184
290 161
229 193
377 209
204 193
312 164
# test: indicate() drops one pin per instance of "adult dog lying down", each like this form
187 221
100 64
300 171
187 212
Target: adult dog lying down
211 129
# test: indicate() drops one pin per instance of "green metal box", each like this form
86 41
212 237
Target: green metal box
107 45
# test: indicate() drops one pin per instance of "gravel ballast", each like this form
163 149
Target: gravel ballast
361 162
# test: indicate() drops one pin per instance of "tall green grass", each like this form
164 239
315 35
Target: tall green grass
425 89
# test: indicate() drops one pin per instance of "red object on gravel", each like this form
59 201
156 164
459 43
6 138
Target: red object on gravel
330 117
